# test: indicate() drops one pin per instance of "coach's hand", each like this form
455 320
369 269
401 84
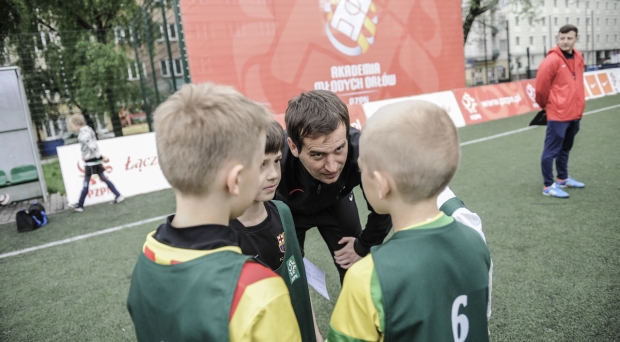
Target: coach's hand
346 256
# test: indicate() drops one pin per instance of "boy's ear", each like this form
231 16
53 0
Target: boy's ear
383 184
232 179
292 147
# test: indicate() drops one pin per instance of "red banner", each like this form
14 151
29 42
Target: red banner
492 102
364 50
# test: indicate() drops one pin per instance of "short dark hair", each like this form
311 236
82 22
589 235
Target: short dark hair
315 113
275 138
568 27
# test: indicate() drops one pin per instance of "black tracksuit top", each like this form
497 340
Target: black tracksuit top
306 195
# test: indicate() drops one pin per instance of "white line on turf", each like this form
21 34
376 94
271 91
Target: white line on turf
129 225
80 237
527 128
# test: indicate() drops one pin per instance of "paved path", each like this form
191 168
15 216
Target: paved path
55 204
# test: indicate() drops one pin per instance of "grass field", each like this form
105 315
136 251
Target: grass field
53 177
556 262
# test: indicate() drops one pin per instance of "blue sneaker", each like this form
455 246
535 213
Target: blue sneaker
570 183
554 191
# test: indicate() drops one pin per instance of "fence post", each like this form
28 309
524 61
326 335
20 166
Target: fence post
165 29
181 37
149 48
147 108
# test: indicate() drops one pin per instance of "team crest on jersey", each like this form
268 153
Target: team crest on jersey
293 271
281 243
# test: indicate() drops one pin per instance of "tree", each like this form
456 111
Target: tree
474 8
69 55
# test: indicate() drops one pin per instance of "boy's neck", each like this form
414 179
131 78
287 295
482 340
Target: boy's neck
406 215
253 215
196 211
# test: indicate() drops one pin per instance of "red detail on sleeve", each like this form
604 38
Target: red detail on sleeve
149 253
251 273
174 262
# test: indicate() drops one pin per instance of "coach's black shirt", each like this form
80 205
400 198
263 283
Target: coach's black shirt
265 240
306 195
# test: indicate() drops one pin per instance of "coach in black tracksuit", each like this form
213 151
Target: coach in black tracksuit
318 178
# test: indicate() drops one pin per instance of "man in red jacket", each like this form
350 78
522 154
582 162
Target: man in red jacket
560 91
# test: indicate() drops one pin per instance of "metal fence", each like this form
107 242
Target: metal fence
114 77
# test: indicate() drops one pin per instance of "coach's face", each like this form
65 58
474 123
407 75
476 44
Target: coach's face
566 41
324 156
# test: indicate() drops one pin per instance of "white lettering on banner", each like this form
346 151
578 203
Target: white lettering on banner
133 160
531 93
355 77
502 101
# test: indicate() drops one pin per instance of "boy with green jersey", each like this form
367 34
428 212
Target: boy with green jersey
431 280
191 281
266 230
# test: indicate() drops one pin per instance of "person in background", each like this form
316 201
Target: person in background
560 91
92 160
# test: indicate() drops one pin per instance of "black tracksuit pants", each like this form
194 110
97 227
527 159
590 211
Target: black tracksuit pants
335 222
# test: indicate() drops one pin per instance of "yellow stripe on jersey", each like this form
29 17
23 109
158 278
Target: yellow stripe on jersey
438 221
358 315
165 255
264 313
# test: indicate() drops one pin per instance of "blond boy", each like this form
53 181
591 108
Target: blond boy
191 283
430 281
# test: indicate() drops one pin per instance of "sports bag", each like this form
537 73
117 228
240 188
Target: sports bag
32 218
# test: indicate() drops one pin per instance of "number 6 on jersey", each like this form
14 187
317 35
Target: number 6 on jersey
461 320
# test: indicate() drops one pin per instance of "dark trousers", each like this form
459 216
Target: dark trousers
558 143
88 172
335 222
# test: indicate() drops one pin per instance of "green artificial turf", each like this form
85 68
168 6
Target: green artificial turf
53 177
556 262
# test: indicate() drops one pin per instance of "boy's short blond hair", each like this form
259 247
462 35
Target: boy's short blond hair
77 120
200 128
416 144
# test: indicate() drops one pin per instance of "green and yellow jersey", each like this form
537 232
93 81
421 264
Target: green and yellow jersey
413 286
207 294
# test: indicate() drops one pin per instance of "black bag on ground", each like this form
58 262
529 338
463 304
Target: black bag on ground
32 218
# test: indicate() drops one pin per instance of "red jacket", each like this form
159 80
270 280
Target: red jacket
559 88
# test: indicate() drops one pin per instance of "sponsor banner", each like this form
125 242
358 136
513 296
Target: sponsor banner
614 78
363 50
444 99
529 87
492 102
132 165
591 82
605 82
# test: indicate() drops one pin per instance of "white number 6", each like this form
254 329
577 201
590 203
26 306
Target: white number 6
459 320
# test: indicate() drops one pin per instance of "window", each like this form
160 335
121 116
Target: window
587 21
544 40
567 20
543 21
503 44
542 3
588 39
516 21
178 70
530 21
165 70
615 22
555 3
597 5
597 21
172 32
577 22
531 40
598 38
607 38
134 73
587 4
517 41
577 3
615 37
607 5
566 3
555 21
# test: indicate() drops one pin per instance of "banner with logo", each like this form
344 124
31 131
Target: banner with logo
132 165
492 102
614 78
529 87
363 50
444 99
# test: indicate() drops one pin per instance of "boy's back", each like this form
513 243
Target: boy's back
427 283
